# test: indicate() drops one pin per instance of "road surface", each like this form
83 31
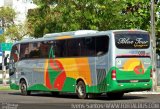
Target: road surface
14 100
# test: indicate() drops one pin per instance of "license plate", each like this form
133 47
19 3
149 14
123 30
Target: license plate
133 81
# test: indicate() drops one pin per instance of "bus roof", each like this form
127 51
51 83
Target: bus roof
73 34
62 35
70 33
131 30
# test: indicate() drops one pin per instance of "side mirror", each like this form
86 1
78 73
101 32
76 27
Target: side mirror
10 66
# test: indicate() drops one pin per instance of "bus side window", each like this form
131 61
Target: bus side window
34 50
90 46
44 49
102 44
73 47
24 50
13 58
14 54
60 48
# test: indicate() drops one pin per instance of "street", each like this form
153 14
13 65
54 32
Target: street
14 100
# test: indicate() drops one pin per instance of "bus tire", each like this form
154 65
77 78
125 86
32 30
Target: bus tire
23 88
117 95
81 90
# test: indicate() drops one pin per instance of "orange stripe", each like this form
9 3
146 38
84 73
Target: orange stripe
45 70
84 69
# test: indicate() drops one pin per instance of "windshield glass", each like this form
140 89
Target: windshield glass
132 40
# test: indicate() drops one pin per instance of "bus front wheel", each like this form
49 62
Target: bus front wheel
117 95
23 88
81 90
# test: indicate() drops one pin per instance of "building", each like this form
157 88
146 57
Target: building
8 2
21 7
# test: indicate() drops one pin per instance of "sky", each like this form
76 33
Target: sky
1 2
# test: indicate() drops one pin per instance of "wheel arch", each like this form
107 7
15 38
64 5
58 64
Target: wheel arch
80 79
23 79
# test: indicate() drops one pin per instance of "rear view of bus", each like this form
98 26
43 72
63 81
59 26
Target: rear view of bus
133 66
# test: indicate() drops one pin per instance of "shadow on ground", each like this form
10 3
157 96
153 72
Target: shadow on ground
74 96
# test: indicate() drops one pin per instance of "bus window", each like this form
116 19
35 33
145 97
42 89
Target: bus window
13 59
61 48
90 46
94 46
102 43
73 47
131 40
15 53
44 49
34 50
24 51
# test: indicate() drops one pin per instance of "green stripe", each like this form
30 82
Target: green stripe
38 87
14 86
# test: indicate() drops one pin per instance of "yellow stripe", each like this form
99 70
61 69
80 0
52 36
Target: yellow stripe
64 37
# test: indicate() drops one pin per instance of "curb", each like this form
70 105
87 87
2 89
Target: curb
157 92
7 84
145 92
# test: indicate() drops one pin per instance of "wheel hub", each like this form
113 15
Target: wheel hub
80 90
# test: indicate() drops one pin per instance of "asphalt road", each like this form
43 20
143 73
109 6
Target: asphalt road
14 100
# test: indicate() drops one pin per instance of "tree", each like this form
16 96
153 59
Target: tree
7 15
138 14
62 15
38 19
16 32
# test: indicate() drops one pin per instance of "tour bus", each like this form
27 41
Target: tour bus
86 63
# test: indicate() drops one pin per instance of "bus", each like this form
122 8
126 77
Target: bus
86 63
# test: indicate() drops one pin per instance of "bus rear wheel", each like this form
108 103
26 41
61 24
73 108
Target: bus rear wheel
23 88
117 95
81 90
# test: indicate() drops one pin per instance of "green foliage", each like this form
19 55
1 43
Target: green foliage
2 38
158 21
7 15
69 15
63 15
15 32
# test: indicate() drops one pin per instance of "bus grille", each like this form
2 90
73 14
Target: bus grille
101 74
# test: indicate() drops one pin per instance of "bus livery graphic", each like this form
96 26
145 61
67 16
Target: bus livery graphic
134 64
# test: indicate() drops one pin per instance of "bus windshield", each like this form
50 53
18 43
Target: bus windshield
132 40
